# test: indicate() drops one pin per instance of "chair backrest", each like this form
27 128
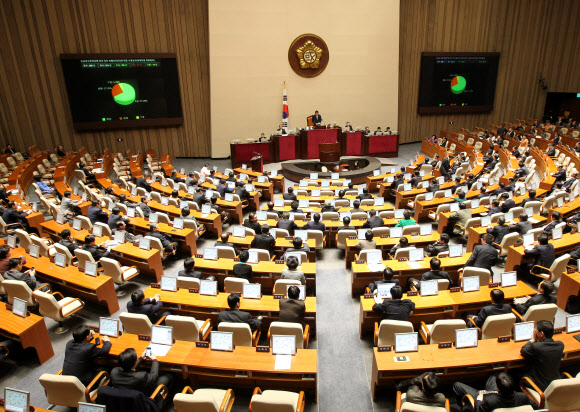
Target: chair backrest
484 274
234 285
403 252
407 230
363 254
47 304
83 257
63 390
135 323
242 332
495 217
388 328
85 222
112 268
441 208
23 239
562 395
415 407
106 229
342 236
358 215
225 252
443 330
559 266
318 236
288 328
18 289
330 215
155 243
387 214
263 254
156 197
379 231
280 285
43 248
508 240
341 202
498 325
184 282
184 327
281 233
64 250
523 408
275 401
536 313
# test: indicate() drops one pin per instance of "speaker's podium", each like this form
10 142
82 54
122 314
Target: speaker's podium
257 164
329 152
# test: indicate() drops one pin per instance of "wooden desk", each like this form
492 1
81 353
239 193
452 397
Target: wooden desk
277 180
54 230
566 243
569 286
244 367
185 236
475 233
30 331
446 305
203 307
243 243
212 222
34 219
459 364
148 261
404 197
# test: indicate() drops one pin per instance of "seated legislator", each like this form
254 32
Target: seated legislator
121 226
345 224
90 177
97 252
176 178
433 186
423 390
242 269
198 197
403 242
367 242
523 226
497 307
67 241
241 191
407 219
298 245
543 355
168 245
356 207
225 237
285 223
291 272
395 308
498 231
543 254
388 276
44 188
315 224
507 203
328 207
234 314
483 256
416 179
252 223
545 289
115 217
556 219
60 151
142 181
5 257
459 219
109 192
12 216
316 118
15 273
439 246
188 271
434 274
365 195
289 195
80 353
96 213
149 307
144 208
292 309
264 240
373 220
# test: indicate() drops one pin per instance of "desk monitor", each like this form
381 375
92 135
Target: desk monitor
60 218
208 287
91 407
509 279
168 283
97 230
229 197
447 193
342 215
111 205
429 196
384 290
407 342
523 331
191 190
134 191
313 176
426 230
210 253
572 323
165 201
407 187
557 233
421 173
19 307
252 256
109 327
416 255
222 341
399 213
440 180
164 182
231 185
470 284
302 234
475 203
390 179
60 260
379 201
153 218
291 216
336 192
297 255
178 223
303 203
239 231
407 176
206 209
529 211
162 335
119 236
315 193
91 268
560 201
16 401
262 179
351 202
362 234
466 338
283 345
325 183
77 224
509 216
130 212
455 251
335 176
396 232
243 176
249 187
252 291
377 172
529 239
34 251
359 190
303 183
429 287
374 256
274 173
262 215
144 244
302 289
485 221
35 205
278 202
209 193
454 207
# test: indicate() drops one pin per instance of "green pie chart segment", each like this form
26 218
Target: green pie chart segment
123 93
458 84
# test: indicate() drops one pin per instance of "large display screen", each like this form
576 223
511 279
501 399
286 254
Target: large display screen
457 82
122 90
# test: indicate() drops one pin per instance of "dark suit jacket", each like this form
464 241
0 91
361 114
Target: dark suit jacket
242 193
199 198
499 232
373 221
395 309
445 166
569 183
11 216
507 205
237 316
148 308
560 175
437 274
288 225
316 118
139 380
492 401
434 249
551 152
489 310
253 225
312 225
539 299
113 219
223 189
190 274
521 227
78 359
544 255
415 181
543 358
243 270
292 310
142 183
289 196
95 214
433 188
69 245
264 241
364 196
483 256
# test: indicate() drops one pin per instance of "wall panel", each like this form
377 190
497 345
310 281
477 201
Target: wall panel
539 36
33 102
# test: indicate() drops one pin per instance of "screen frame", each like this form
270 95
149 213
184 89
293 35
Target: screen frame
19 391
517 325
93 405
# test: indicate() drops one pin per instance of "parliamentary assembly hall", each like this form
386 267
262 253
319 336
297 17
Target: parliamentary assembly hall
289 206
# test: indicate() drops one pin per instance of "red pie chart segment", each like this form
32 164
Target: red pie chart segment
117 90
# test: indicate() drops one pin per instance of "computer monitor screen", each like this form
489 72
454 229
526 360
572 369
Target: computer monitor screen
429 287
252 256
178 223
144 244
379 201
475 203
315 192
262 179
303 203
448 193
165 201
91 407
34 251
407 342
239 231
91 268
407 187
209 194
426 230
384 290
109 327
471 284
485 220
455 251
302 289
557 233
77 224
249 187
60 218
374 256
278 202
509 216
395 232
60 260
342 215
97 231
314 176
168 283
130 212
153 218
16 401
11 241
222 340
416 255
529 239
19 307
399 213
302 234
335 176
523 331
162 335
208 287
210 253
429 196
251 290
206 209
229 197
262 215
454 207
572 323
362 233
509 279
466 338
119 236
283 344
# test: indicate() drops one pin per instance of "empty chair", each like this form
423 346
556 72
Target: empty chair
234 285
387 214
484 274
536 232
555 271
440 209
188 328
562 395
385 331
85 223
330 215
319 238
407 230
119 274
59 310
243 335
358 215
277 401
362 255
69 391
380 231
263 254
508 240
496 326
225 252
135 323
43 248
443 330
207 400
184 282
24 240
288 328
283 233
281 284
156 244
536 313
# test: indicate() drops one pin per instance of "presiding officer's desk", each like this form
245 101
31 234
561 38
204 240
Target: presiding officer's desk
266 272
515 256
362 276
244 367
203 307
451 364
30 331
446 305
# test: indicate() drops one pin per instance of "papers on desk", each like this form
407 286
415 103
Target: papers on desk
414 265
161 350
283 362
532 220
521 300
109 244
204 214
376 267
378 300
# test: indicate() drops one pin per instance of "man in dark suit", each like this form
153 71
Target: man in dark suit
498 231
416 179
96 214
568 183
12 216
551 152
441 245
241 191
15 273
149 307
495 208
234 314
316 118
115 217
326 208
560 175
315 224
497 307
346 224
188 271
556 220
523 226
222 188
531 198
522 170
292 309
483 256
364 195
433 186
198 197
348 127
225 237
67 241
543 254
501 131
434 274
142 181
501 393
242 269
264 240
252 223
388 277
80 354
445 166
395 308
543 355
544 296
176 178
96 251
289 195
373 220
168 245
144 208
378 131
285 223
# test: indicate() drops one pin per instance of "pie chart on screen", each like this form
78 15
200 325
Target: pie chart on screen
123 93
458 84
